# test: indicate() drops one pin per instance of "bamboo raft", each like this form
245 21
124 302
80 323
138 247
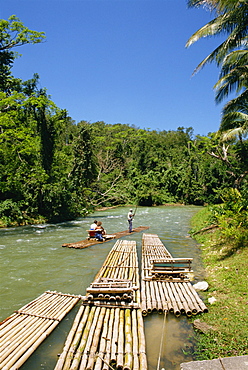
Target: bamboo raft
108 329
25 329
166 289
88 243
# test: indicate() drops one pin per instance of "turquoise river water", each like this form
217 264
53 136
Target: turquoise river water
33 261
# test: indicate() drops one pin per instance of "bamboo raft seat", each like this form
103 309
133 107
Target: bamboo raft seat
171 268
111 290
92 235
25 329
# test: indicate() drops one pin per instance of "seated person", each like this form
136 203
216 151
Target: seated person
99 231
93 226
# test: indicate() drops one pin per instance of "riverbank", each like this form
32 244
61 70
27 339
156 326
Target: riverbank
225 332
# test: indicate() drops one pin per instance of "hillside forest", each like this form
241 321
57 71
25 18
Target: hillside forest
54 169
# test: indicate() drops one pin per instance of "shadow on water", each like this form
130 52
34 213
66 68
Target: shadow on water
33 261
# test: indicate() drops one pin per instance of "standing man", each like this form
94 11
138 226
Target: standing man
130 217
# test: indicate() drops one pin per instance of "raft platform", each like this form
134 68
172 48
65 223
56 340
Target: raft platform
108 330
25 329
88 243
165 285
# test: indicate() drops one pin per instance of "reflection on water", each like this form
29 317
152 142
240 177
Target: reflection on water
33 261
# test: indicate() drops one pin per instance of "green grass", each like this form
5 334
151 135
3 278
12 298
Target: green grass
227 276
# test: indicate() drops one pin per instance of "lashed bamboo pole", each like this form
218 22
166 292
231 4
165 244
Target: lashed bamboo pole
142 346
24 336
77 357
87 349
95 339
24 348
128 359
198 299
182 304
188 298
120 354
167 297
162 296
76 339
108 341
158 298
135 340
103 341
114 342
69 340
23 324
173 301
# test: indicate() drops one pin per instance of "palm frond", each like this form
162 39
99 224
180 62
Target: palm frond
239 104
232 134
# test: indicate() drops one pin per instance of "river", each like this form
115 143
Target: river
33 261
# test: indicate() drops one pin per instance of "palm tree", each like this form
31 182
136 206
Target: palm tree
234 77
232 56
231 18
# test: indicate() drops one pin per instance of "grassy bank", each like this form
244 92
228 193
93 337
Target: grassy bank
226 332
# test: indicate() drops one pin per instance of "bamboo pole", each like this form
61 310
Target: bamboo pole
163 299
120 354
26 348
96 339
115 337
77 357
128 359
198 299
173 302
108 342
103 340
184 308
135 349
69 339
87 349
188 298
20 340
141 338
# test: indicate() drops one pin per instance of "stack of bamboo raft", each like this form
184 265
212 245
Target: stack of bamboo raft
164 295
108 329
23 332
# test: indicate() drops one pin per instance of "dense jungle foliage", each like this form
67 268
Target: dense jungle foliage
53 169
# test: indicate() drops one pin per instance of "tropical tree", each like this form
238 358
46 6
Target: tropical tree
234 77
13 33
232 56
231 19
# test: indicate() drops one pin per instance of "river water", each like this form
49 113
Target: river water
33 261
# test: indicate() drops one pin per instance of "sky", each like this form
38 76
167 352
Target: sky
121 61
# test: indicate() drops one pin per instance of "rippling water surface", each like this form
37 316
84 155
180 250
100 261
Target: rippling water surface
33 261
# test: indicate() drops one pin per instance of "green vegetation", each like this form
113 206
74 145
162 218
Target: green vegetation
52 169
225 255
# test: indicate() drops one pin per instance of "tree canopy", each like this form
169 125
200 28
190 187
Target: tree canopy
53 169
